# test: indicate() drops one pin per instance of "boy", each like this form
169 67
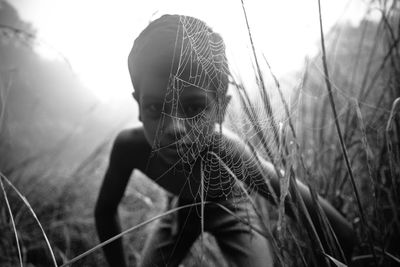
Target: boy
180 78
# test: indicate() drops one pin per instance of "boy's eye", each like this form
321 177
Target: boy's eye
193 110
153 109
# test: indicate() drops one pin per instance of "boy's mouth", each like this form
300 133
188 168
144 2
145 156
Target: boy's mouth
171 154
177 150
174 149
169 149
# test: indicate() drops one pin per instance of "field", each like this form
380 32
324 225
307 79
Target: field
338 131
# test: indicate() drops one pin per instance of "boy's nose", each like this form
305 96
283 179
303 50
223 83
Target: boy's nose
175 128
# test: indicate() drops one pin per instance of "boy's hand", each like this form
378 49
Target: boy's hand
111 192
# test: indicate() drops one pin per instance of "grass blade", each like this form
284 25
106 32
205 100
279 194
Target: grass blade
284 181
264 95
34 216
392 165
388 255
335 261
339 132
267 234
102 244
12 220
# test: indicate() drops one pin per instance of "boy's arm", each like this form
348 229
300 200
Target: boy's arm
342 228
111 192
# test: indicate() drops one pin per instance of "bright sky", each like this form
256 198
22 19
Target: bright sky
96 35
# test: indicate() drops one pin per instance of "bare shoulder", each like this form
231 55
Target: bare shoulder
240 148
131 137
231 140
230 136
131 147
236 148
228 144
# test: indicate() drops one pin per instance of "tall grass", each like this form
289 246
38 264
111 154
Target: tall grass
363 147
345 146
64 207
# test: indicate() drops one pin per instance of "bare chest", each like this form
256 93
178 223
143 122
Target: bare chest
192 182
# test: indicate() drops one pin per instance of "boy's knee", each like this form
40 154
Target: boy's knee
247 249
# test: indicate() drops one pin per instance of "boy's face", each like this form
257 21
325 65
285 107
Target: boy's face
178 115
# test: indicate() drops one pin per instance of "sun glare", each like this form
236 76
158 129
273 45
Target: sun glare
96 36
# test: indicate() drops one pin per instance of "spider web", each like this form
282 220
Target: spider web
201 53
231 169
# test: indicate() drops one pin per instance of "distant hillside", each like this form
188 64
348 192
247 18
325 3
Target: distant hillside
48 115
355 55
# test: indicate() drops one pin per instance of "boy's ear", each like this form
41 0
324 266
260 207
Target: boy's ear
135 96
225 102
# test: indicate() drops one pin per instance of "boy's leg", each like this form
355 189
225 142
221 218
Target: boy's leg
171 240
240 245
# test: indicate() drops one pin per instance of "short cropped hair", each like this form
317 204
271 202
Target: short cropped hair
183 39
